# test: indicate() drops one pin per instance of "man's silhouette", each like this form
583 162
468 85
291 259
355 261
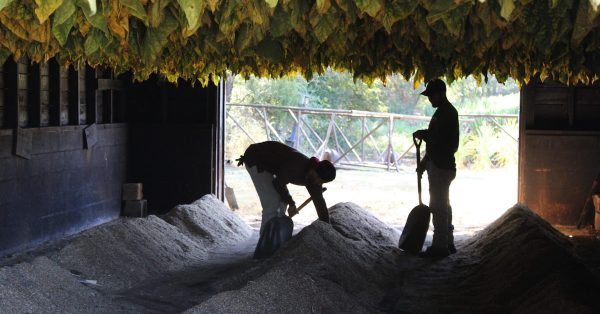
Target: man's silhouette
442 142
273 165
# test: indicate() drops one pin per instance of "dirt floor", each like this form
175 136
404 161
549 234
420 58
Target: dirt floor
198 259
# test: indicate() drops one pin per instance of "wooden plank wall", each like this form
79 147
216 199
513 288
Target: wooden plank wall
51 183
54 181
559 153
173 141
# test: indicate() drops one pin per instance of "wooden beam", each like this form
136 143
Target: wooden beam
54 84
240 126
269 126
360 141
299 121
33 95
73 101
91 97
2 100
347 141
11 115
22 93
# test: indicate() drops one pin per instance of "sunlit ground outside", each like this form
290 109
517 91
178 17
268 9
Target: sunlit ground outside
478 197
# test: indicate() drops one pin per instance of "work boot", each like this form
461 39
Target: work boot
451 249
434 253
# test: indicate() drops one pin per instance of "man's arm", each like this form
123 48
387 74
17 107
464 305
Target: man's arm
316 193
280 185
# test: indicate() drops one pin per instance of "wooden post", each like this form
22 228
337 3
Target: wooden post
362 145
33 95
2 107
359 142
22 94
54 84
74 90
302 131
299 134
268 127
348 142
390 149
321 149
92 110
11 115
44 94
264 116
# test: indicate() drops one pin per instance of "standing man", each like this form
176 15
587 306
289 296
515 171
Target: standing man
442 142
272 165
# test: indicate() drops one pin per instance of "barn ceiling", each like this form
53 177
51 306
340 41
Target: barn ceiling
200 39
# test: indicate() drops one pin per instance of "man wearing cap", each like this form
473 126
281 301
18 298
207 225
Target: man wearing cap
442 142
272 165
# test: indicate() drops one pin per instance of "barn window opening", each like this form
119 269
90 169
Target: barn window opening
366 130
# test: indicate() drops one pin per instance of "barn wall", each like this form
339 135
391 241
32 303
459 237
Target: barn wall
63 157
174 141
70 138
62 188
559 149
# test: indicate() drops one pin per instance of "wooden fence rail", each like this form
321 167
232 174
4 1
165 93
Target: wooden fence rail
328 145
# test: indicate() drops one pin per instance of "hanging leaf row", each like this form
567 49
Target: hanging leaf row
201 39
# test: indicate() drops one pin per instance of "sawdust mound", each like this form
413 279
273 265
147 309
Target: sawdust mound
42 286
518 264
337 267
283 290
525 265
209 222
122 253
125 252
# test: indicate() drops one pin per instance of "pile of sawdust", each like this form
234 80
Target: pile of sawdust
342 267
519 263
525 265
42 286
209 221
125 252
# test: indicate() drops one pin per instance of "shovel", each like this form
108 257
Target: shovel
276 231
417 223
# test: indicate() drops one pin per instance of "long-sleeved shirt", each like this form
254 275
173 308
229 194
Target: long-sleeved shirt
442 137
289 166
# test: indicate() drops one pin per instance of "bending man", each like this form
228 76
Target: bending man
272 165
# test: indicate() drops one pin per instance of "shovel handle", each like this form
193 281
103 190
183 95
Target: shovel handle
418 142
308 200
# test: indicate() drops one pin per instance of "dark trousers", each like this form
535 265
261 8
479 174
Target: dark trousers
439 203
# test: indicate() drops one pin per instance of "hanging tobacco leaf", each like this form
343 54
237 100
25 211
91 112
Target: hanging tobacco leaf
200 39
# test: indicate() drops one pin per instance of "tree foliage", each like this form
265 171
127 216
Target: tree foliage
200 39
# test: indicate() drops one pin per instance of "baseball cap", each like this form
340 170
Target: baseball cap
435 86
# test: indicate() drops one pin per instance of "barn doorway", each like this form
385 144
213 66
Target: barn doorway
367 128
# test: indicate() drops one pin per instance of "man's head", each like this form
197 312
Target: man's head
326 171
435 91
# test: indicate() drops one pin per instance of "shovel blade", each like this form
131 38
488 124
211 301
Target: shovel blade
415 230
275 232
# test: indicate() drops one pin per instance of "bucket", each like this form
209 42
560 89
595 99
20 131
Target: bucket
596 199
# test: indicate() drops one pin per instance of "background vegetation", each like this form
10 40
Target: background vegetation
483 143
